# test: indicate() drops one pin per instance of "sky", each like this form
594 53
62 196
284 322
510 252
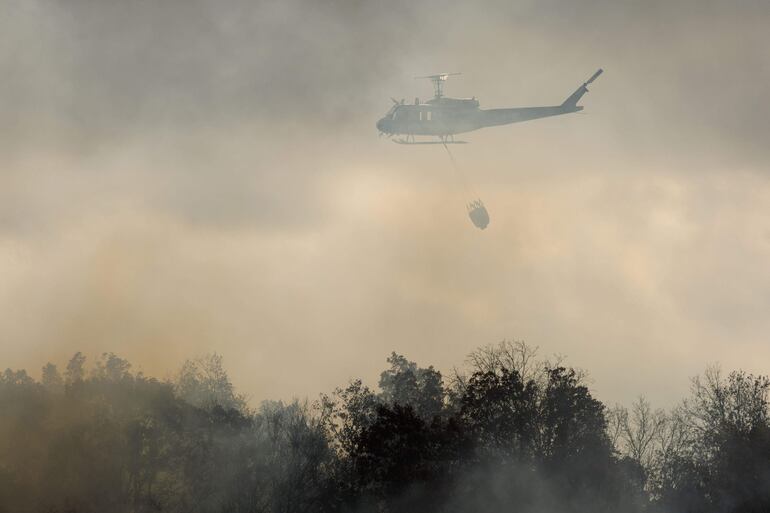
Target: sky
186 177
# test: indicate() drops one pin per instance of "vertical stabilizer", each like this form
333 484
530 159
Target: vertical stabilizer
571 102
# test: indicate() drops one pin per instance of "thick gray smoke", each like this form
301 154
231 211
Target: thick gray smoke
184 177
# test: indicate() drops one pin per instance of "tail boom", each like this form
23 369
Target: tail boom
496 117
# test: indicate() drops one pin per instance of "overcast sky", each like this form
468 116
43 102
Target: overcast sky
183 177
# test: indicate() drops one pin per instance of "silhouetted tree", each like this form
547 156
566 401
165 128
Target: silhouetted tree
500 411
404 463
75 369
725 464
203 382
529 437
407 384
51 379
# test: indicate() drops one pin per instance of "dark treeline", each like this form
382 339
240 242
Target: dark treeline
507 433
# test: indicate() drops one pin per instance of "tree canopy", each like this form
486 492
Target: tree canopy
507 432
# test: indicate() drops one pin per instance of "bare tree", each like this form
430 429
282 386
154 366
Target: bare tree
641 432
650 437
738 402
513 355
617 419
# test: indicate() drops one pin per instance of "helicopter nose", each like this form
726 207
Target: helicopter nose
381 125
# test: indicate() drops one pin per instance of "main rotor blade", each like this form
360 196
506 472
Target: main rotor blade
440 76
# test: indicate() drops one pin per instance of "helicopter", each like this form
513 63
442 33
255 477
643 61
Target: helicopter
445 117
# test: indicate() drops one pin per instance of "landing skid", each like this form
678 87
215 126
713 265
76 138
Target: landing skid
404 141
443 139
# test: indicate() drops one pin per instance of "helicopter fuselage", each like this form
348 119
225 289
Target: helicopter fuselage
450 116
445 117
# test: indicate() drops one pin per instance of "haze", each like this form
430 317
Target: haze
188 177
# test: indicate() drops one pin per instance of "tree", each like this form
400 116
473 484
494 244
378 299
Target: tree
540 444
111 367
506 355
403 463
297 454
51 379
20 377
728 460
203 382
406 384
638 434
75 369
513 355
500 410
346 414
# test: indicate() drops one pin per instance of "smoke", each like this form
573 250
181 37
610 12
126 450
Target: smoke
185 177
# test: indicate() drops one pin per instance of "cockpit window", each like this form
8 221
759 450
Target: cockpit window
392 112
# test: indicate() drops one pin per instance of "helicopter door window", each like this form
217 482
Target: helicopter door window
428 115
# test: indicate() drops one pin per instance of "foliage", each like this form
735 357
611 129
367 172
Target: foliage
711 453
508 433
